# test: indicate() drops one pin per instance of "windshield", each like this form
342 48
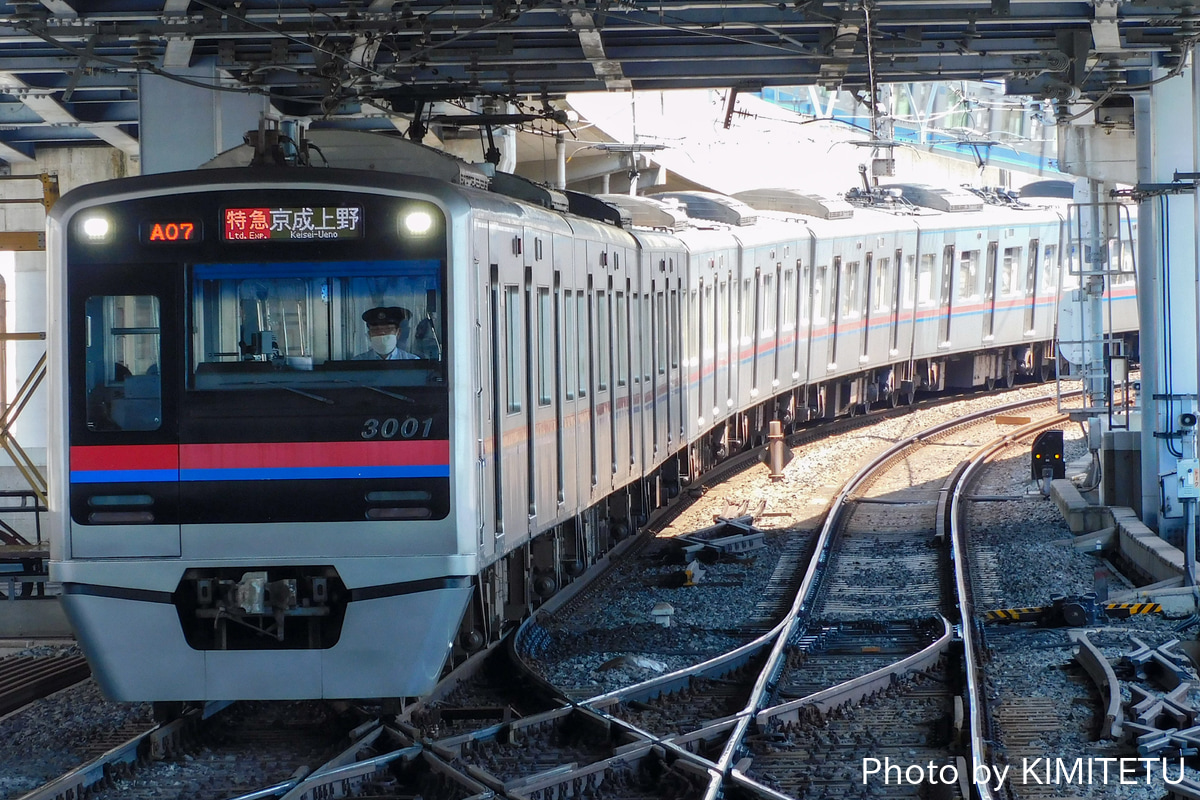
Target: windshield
372 323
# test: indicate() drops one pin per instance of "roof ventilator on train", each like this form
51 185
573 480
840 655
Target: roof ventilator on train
792 201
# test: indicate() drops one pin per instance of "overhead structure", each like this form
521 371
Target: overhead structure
69 69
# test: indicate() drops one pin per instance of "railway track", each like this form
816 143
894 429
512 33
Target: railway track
1059 692
758 720
25 678
699 715
889 572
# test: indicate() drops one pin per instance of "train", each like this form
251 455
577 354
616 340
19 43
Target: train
325 431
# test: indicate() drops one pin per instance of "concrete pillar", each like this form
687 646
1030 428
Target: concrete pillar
1148 292
1167 288
560 162
183 126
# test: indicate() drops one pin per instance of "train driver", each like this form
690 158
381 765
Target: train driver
383 329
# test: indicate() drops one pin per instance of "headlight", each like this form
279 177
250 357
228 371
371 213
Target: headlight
418 223
96 228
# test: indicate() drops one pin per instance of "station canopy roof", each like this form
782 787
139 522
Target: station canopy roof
70 69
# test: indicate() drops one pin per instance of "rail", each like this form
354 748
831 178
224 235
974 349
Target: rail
1102 674
976 685
820 562
726 764
155 743
852 691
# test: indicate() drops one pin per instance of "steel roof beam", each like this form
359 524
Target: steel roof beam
592 45
12 155
298 49
60 8
53 113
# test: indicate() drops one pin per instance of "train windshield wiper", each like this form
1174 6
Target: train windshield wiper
396 395
309 395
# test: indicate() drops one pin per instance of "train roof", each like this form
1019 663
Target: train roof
712 206
797 201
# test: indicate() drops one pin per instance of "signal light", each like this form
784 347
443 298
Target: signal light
1047 453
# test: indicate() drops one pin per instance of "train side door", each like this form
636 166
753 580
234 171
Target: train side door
485 392
622 393
700 332
510 286
945 298
586 459
676 299
869 301
804 299
664 382
1031 287
603 349
566 331
123 453
726 341
777 305
747 331
542 429
834 290
787 336
991 282
899 276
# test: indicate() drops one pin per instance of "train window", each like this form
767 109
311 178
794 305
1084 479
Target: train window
881 294
1031 275
770 305
723 316
1050 268
645 329
925 281
622 339
1121 259
709 344
850 290
602 340
123 351
747 311
582 342
570 344
661 332
513 345
968 275
1010 272
906 277
1071 266
545 350
818 294
286 324
789 308
673 328
802 291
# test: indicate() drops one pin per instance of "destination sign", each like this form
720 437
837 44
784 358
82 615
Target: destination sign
292 224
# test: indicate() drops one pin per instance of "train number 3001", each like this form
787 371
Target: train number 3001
390 428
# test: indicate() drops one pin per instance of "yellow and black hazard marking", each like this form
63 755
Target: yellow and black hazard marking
1015 614
1123 610
1041 613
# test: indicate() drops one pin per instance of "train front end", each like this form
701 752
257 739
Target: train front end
253 403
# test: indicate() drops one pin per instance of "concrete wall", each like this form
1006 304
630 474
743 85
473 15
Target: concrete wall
24 276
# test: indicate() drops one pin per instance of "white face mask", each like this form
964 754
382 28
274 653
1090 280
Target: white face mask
383 344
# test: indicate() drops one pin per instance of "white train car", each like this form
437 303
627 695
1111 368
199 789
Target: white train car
249 501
